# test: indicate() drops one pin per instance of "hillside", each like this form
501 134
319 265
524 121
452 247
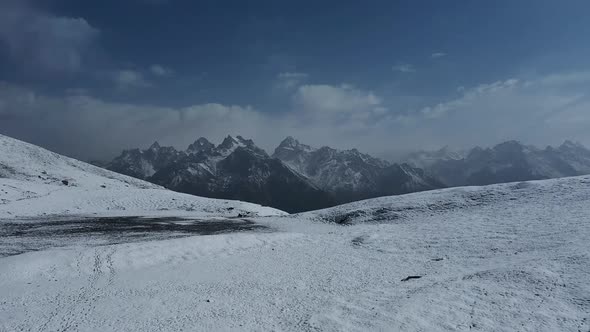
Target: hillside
35 181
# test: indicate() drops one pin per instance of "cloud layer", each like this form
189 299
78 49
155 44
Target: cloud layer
542 110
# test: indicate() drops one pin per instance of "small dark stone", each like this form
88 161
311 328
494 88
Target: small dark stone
65 182
103 186
44 172
437 259
411 277
208 301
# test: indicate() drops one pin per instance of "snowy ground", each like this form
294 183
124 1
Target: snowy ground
500 258
511 257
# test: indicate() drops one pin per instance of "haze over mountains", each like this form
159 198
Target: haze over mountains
298 177
506 162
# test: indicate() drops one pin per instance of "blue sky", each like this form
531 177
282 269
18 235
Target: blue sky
382 76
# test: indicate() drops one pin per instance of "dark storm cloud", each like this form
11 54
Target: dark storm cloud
44 42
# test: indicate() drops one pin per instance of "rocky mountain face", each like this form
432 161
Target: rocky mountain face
298 177
235 169
142 164
351 175
507 162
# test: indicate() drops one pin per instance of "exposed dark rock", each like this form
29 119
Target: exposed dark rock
411 277
236 169
350 175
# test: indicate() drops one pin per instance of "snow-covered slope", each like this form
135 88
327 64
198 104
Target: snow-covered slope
35 181
509 257
538 196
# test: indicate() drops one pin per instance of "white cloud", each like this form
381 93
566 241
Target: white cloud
469 96
335 99
564 79
43 41
130 79
438 55
76 123
290 75
160 70
544 110
290 80
403 68
89 127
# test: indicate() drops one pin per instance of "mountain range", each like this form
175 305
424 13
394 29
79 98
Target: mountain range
295 178
506 162
298 177
349 175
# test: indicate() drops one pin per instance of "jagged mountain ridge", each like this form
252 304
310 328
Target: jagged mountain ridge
235 169
351 175
506 162
298 177
295 178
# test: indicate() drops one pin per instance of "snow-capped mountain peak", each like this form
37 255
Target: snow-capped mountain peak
569 145
155 146
201 144
290 143
350 174
228 143
236 168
